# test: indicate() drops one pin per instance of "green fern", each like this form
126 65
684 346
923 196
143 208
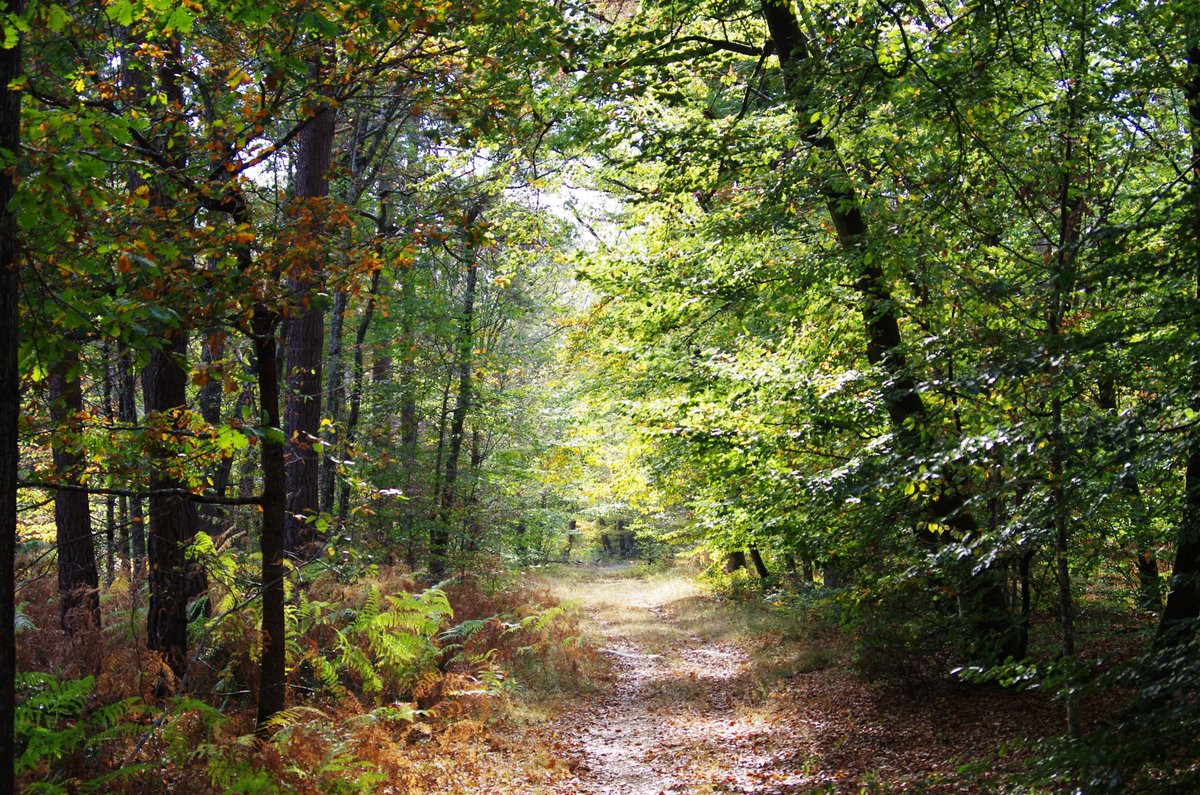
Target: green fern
384 645
53 722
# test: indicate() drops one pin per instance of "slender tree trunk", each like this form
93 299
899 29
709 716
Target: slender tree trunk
472 532
78 580
10 398
409 426
443 414
1145 562
439 536
1182 609
305 338
335 390
110 500
1063 281
760 567
210 400
173 517
127 412
350 435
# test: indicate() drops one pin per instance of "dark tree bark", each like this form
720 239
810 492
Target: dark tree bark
1145 561
439 534
305 339
10 400
78 579
271 695
172 516
1182 610
760 567
263 330
110 500
735 560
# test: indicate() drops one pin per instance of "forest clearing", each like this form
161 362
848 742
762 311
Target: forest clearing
744 396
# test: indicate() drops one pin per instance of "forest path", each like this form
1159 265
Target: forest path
678 712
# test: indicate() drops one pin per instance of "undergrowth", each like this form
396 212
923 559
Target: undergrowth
385 680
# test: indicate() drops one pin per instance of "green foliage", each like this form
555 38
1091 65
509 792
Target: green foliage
381 648
1148 747
55 722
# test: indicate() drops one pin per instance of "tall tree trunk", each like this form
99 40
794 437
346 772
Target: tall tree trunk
305 337
10 397
1145 561
172 511
127 412
335 390
263 330
760 567
439 535
210 401
78 580
271 694
993 635
1182 610
358 375
110 500
1063 283
173 518
409 424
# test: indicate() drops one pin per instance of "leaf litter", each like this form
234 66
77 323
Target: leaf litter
681 708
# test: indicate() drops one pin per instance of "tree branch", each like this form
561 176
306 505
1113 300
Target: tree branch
206 499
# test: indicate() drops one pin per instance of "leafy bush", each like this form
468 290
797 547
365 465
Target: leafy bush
1151 747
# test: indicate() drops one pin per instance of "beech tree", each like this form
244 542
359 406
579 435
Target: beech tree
10 390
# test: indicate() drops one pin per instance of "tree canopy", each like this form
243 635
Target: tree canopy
898 299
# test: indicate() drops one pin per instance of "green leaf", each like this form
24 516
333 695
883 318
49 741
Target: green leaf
57 18
121 11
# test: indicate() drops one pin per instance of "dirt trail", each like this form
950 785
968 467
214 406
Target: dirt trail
671 719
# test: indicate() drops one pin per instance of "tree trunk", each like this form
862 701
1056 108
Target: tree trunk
110 500
439 536
409 425
806 569
127 412
760 567
305 337
172 515
271 694
735 560
1182 609
1145 562
78 580
211 400
335 389
10 398
984 603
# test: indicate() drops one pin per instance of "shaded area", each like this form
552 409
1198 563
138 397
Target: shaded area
695 701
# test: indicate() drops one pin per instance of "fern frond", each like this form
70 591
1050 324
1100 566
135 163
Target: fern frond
292 716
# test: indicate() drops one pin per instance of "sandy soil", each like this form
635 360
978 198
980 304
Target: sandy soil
676 716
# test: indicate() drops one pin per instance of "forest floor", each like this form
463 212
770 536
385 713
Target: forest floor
702 696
